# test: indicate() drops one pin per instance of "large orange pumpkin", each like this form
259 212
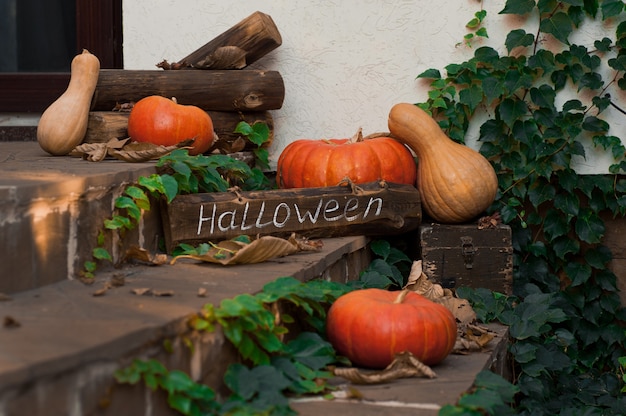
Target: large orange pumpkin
162 121
370 326
307 163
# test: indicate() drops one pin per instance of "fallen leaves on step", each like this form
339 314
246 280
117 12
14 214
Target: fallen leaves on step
117 280
490 221
125 150
246 251
11 322
403 365
470 336
143 256
146 291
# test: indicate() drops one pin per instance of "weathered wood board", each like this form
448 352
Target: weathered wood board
217 90
373 209
464 255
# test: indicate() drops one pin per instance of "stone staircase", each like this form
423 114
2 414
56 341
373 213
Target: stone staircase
62 340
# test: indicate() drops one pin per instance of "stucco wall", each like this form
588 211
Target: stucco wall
344 63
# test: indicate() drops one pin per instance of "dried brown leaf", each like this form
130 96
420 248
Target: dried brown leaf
490 221
124 107
144 256
100 292
202 292
460 308
418 282
96 152
142 152
140 291
11 322
236 252
404 365
163 293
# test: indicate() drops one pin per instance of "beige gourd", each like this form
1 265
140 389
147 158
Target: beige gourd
455 182
63 124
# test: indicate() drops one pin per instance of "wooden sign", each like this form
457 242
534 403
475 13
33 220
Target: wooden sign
375 208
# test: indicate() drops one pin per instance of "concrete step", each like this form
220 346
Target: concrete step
51 209
60 344
60 352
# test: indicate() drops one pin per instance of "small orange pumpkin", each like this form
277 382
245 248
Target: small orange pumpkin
162 121
307 163
370 326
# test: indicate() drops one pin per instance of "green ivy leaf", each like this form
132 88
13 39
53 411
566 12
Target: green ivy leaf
430 73
543 96
589 226
598 257
564 246
518 37
611 8
471 97
101 253
124 202
518 7
578 273
258 133
558 25
511 110
595 124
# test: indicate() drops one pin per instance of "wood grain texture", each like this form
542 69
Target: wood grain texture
256 36
313 212
217 90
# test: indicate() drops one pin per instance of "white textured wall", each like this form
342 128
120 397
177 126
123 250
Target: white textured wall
344 63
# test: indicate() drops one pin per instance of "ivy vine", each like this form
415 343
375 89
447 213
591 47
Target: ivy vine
566 319
179 174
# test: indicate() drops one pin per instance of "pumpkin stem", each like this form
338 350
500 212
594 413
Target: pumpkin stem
358 136
401 296
378 134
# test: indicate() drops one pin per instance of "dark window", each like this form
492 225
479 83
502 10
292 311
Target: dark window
40 38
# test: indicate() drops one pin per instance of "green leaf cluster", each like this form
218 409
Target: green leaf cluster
274 366
491 394
388 270
546 107
179 173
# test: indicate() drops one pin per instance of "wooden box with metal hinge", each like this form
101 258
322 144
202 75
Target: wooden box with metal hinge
472 255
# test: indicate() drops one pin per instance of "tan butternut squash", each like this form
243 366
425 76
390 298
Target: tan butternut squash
456 183
63 124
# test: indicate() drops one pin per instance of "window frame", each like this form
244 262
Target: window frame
98 29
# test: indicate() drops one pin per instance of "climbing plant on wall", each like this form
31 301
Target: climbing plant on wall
546 98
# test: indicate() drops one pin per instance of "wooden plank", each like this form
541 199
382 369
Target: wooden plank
104 125
216 90
375 209
464 255
251 39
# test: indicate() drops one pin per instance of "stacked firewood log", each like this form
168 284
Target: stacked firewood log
215 78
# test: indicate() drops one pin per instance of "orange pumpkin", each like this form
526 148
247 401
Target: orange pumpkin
370 326
162 121
307 163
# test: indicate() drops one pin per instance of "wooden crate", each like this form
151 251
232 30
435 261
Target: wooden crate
464 255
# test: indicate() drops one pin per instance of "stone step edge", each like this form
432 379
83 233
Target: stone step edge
69 341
